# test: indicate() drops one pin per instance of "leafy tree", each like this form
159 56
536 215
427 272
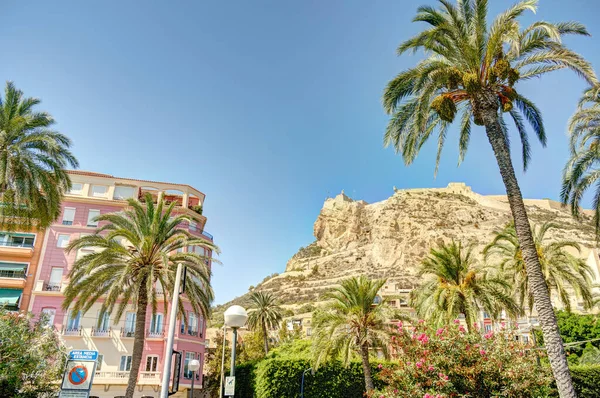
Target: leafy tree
352 322
138 252
582 171
33 158
564 273
455 285
473 68
265 313
32 357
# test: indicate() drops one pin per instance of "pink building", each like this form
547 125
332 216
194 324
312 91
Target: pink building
95 194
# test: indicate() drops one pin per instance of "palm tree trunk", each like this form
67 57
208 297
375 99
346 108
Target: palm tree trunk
537 283
264 329
364 353
139 338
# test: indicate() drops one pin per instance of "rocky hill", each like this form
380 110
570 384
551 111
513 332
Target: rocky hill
388 239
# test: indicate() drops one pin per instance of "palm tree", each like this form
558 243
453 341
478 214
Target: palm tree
473 68
136 253
265 313
582 171
353 322
33 159
455 285
563 271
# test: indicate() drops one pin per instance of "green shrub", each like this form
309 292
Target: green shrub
586 380
244 380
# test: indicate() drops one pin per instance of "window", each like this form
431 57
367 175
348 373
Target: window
130 323
308 332
125 365
49 314
13 270
76 188
74 320
13 239
68 216
103 321
188 357
200 326
193 326
62 241
156 326
525 339
99 191
488 328
486 315
182 326
91 216
193 226
99 362
55 279
122 192
151 363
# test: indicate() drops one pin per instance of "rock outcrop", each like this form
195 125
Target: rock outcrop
388 239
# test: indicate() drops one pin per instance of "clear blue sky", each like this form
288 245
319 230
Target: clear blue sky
267 107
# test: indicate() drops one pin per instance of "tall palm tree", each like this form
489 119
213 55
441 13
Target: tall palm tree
563 271
265 313
455 285
473 67
353 322
136 252
582 171
33 159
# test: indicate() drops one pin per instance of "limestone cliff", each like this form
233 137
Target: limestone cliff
389 238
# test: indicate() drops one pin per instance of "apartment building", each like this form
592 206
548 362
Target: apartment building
94 194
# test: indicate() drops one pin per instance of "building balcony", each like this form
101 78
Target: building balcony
122 377
15 249
155 334
12 278
49 287
101 332
71 331
127 333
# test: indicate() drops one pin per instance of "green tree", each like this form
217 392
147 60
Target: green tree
454 285
352 322
265 313
32 357
473 68
582 171
137 251
33 158
564 273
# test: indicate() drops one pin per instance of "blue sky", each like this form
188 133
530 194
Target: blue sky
268 107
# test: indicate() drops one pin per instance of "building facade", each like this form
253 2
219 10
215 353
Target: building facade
94 194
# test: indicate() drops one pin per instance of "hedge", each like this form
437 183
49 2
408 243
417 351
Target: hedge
586 380
277 378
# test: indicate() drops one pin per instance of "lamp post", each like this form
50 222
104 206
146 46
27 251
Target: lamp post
302 385
164 388
194 365
235 318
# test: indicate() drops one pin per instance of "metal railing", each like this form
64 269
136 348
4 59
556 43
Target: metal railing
150 375
12 274
155 333
52 287
72 331
113 375
209 236
101 332
127 332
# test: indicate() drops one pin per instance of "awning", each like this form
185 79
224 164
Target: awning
10 296
12 266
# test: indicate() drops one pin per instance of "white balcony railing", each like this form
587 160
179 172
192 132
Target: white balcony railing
112 375
150 376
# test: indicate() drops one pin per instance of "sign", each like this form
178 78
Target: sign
230 386
83 355
79 374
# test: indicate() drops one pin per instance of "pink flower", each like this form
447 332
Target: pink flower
456 321
503 325
400 325
489 335
482 352
439 331
428 396
421 321
379 366
408 363
461 329
382 396
430 368
419 364
396 391
393 338
423 338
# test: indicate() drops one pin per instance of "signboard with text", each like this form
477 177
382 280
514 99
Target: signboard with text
229 386
79 374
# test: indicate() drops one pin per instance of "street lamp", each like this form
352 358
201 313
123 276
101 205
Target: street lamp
194 365
235 318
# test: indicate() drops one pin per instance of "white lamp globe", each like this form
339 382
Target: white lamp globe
235 316
194 365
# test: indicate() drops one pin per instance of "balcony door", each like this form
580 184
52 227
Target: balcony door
156 327
130 322
74 320
55 278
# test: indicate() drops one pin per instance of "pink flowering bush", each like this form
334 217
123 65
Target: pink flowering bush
451 362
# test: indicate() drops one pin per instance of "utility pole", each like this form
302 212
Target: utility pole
166 375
